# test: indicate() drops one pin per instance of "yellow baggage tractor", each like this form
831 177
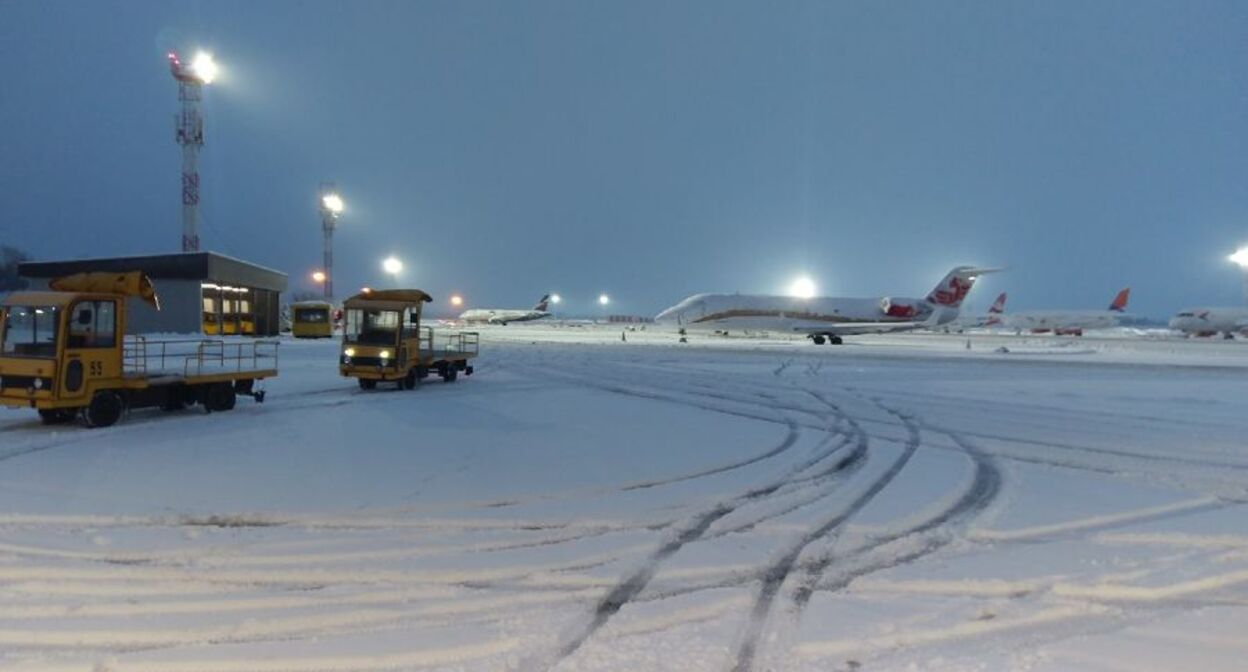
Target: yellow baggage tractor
312 319
64 352
383 340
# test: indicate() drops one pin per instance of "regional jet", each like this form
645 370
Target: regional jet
504 315
824 319
1211 321
1069 322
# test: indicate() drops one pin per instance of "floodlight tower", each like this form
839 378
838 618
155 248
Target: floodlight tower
189 127
331 207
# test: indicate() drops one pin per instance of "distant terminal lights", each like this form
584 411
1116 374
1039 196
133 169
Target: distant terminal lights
629 319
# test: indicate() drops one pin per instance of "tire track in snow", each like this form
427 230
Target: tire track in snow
695 529
776 574
983 490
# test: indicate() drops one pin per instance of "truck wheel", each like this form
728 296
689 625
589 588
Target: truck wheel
57 416
409 381
451 374
104 410
366 384
220 397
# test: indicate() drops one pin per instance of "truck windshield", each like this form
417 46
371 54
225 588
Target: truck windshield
31 331
372 327
320 315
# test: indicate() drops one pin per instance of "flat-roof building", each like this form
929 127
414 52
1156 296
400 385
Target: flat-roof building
200 292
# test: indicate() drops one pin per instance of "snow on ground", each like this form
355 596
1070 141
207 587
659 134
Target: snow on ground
588 503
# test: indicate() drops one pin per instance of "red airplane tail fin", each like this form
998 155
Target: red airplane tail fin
1119 303
998 306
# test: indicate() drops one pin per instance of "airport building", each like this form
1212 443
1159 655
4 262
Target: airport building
200 292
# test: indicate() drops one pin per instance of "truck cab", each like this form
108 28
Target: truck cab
383 340
54 346
64 353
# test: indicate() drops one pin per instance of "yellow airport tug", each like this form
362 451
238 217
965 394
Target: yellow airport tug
312 319
384 341
64 352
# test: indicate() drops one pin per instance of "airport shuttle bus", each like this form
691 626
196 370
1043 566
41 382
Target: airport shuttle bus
383 341
312 319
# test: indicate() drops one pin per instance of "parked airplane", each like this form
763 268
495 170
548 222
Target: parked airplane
993 318
505 315
1211 321
1069 322
824 319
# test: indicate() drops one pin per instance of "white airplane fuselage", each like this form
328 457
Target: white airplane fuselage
502 316
824 318
1210 321
1061 321
833 315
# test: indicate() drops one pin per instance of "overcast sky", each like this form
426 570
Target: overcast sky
651 149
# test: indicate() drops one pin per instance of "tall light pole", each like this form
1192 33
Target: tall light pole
189 132
331 207
1240 258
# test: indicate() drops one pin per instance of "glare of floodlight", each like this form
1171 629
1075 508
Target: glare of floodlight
392 265
603 299
333 203
803 288
555 298
204 67
457 300
1240 257
318 276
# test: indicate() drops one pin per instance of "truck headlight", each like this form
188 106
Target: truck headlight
384 354
349 352
38 383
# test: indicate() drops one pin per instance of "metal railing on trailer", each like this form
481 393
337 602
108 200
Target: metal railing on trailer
460 344
193 357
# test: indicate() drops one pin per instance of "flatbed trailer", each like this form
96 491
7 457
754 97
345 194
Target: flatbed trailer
383 341
64 354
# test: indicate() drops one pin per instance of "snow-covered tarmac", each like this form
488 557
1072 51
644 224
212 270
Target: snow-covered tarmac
582 503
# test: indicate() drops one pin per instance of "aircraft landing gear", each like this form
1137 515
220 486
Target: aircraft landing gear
820 339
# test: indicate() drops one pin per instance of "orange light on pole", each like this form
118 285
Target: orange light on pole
318 277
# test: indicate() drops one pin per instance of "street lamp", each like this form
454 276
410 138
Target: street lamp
318 277
457 300
604 300
803 288
392 266
556 299
331 207
1240 258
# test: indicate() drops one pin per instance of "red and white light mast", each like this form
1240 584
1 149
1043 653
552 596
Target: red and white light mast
331 208
189 127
